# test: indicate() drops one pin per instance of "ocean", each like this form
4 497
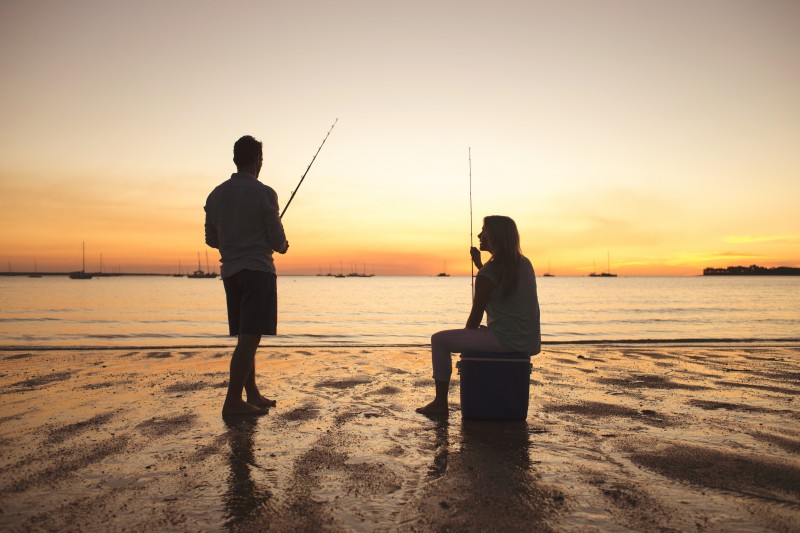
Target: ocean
318 311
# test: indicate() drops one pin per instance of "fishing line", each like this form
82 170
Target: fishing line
309 168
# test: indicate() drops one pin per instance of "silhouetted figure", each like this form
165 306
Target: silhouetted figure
505 288
243 221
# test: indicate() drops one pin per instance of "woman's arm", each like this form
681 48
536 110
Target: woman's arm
483 289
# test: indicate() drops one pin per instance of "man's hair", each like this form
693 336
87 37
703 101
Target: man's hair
246 151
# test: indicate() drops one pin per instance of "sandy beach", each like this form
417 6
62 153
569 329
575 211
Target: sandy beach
618 437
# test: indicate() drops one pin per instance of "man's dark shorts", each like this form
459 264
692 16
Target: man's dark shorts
252 298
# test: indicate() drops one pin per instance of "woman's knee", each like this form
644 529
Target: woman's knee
445 337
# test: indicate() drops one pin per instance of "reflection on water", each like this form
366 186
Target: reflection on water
485 479
244 497
441 448
501 443
497 444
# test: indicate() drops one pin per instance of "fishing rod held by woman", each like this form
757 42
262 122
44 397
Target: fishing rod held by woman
505 289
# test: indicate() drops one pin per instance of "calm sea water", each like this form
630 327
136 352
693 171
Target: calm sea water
323 311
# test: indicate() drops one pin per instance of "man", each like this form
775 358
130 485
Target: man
243 221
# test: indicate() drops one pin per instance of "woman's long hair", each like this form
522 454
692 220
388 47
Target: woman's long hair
506 251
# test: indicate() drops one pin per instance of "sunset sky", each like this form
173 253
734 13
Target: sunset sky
663 133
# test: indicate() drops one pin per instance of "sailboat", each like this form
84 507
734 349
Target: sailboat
548 274
364 272
443 273
199 272
82 274
209 274
35 271
180 273
607 274
340 274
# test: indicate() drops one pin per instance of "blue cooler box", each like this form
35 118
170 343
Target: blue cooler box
495 386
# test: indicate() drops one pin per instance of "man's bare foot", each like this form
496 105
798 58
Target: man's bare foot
262 401
434 408
242 409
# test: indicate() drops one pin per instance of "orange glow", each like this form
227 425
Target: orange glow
681 156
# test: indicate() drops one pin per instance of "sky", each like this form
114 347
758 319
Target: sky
660 137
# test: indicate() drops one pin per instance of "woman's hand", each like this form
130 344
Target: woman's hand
476 257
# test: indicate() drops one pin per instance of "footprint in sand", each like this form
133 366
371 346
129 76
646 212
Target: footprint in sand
60 434
187 386
159 427
342 383
305 412
158 355
388 390
18 356
42 381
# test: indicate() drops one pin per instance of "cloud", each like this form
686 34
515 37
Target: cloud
749 239
710 258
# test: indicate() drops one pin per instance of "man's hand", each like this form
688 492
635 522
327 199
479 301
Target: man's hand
285 248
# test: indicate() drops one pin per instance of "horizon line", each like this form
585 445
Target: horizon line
678 341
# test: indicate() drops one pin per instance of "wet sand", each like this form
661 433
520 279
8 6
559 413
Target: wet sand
618 438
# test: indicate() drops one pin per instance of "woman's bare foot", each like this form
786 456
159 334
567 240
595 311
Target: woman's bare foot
262 401
242 408
436 407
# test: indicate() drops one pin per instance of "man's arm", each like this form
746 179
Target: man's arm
274 226
483 289
212 237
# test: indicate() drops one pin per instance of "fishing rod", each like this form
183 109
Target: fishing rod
472 263
309 168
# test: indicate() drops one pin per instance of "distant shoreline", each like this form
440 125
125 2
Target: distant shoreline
752 270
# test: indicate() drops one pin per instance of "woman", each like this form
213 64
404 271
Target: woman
505 288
